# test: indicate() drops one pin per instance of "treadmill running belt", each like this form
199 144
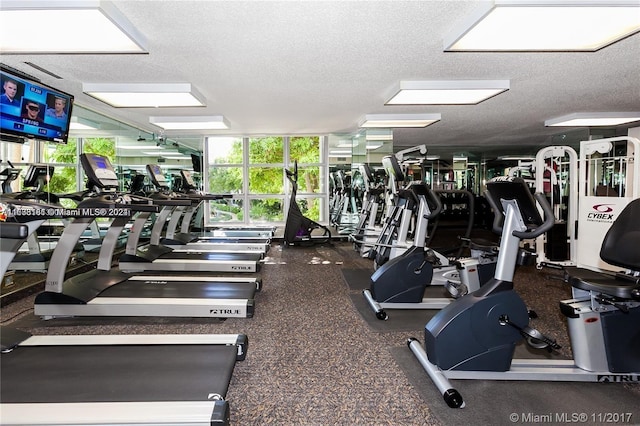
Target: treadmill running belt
121 373
220 256
181 289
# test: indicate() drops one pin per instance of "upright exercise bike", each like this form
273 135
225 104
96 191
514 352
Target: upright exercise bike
475 337
298 229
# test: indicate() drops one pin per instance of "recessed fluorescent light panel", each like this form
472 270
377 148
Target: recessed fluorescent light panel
143 147
399 120
546 25
372 145
154 152
175 157
340 153
435 92
379 135
212 122
347 143
78 123
76 26
584 119
145 95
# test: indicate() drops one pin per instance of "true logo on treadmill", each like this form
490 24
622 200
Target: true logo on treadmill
619 378
240 268
224 311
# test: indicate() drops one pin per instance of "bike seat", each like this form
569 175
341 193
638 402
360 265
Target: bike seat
617 285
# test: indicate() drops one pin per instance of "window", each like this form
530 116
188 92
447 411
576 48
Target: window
252 170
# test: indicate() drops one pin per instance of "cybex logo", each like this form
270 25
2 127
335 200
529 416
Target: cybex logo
603 208
600 216
602 213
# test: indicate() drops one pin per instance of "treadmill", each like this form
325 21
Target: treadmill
140 379
107 291
186 240
240 232
157 257
36 258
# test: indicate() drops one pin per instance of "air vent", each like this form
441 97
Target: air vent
39 68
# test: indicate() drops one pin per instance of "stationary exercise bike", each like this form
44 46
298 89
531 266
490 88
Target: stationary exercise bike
298 229
402 281
475 337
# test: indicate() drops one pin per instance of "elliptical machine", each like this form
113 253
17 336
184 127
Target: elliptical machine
394 236
402 281
368 228
475 338
298 229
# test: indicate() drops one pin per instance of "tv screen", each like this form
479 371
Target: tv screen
29 109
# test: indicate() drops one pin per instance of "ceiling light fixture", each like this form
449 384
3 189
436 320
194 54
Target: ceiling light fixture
453 92
516 158
79 123
145 95
153 152
584 119
546 25
210 122
347 143
379 135
145 147
175 157
80 26
374 145
399 120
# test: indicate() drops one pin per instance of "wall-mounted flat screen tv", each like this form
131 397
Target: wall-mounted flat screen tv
29 109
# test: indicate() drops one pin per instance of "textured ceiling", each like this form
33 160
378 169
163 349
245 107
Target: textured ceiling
296 67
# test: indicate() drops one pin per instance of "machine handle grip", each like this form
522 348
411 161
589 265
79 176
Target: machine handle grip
437 202
548 223
532 233
497 217
15 231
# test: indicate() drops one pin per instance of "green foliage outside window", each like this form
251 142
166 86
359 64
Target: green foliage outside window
268 150
306 150
265 179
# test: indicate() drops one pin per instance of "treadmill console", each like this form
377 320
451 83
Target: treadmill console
7 176
38 175
187 180
99 171
157 177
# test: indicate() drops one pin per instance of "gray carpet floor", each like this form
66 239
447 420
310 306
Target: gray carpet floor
315 359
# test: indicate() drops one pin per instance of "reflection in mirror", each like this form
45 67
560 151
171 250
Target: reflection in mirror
459 172
347 153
